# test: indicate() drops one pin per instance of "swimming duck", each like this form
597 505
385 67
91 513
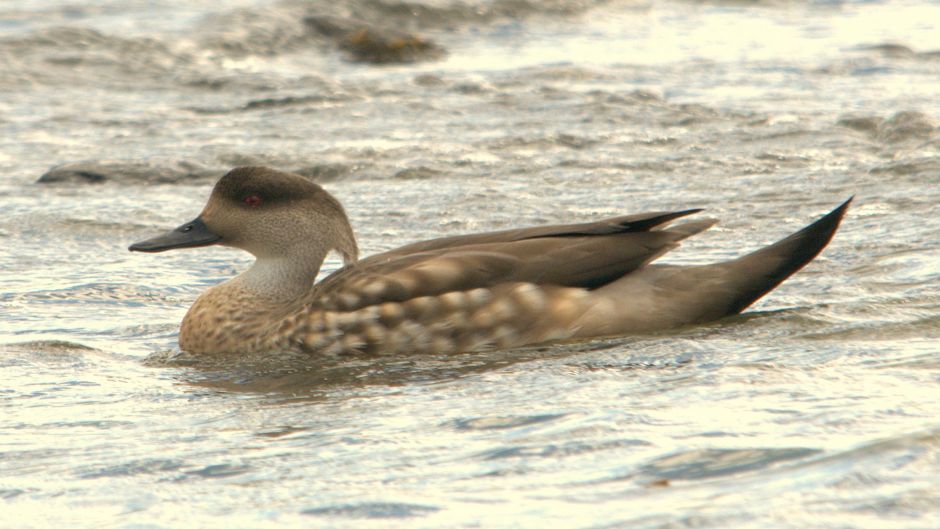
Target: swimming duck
499 289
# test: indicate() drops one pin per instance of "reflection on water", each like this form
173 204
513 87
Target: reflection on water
817 408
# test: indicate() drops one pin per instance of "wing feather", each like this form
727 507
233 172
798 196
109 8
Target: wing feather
576 255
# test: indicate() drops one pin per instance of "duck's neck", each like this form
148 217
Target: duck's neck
279 280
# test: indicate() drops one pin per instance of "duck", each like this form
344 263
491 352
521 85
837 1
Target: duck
482 291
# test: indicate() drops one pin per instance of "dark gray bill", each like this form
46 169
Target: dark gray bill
189 235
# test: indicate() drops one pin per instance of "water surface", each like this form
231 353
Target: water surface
816 408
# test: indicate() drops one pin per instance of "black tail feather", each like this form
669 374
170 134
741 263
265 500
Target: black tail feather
773 264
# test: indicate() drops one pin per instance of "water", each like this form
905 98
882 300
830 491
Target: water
817 408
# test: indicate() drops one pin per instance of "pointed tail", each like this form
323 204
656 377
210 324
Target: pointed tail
665 296
757 273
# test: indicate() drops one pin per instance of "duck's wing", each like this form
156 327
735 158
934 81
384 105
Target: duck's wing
623 224
576 255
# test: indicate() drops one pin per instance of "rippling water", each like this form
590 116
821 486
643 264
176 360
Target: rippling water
819 407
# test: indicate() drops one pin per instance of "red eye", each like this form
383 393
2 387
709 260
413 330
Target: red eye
252 200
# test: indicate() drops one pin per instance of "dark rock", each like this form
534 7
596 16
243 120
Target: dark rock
128 172
367 43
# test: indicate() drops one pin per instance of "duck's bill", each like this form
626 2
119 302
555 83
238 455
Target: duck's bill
190 235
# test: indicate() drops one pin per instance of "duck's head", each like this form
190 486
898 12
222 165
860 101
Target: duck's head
268 213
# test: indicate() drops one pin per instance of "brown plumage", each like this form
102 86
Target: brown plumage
490 290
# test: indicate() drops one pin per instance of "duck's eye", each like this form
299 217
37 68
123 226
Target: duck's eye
252 200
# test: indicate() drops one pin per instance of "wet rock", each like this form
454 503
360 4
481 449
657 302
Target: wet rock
372 44
128 172
383 47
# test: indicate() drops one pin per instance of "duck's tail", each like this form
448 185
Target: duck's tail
663 296
757 273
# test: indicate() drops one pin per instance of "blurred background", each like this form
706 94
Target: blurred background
818 408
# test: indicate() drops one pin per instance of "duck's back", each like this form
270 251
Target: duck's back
491 290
